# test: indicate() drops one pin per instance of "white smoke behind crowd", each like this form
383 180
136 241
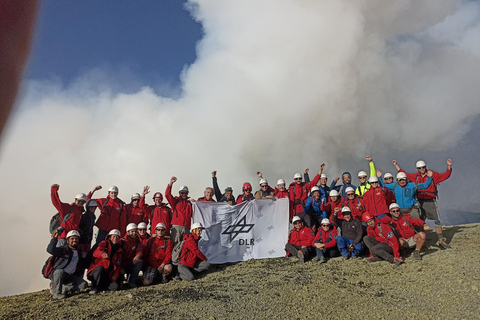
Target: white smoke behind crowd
277 86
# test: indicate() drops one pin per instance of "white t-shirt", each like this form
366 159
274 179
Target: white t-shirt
72 266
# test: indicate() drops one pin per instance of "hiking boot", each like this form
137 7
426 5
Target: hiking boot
164 279
443 244
113 286
322 260
354 257
397 262
93 291
58 296
51 288
130 285
301 257
345 257
316 259
416 255
373 259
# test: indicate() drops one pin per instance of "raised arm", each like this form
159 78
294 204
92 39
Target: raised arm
168 192
62 208
216 188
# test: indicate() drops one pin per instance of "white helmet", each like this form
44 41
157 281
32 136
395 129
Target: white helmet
160 225
280 181
262 181
81 196
183 189
136 196
349 189
334 193
113 189
362 174
420 163
196 225
325 221
131 226
314 189
296 218
91 203
387 175
346 209
297 175
114 232
142 225
323 175
393 205
372 179
401 176
73 233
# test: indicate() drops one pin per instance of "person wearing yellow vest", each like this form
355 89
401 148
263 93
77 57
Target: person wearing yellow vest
362 177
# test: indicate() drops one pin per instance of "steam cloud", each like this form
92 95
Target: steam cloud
277 86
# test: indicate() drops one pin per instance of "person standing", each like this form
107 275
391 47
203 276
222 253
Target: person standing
182 211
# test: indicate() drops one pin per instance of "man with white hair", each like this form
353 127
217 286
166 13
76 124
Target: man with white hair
282 192
207 195
427 197
70 214
68 274
192 260
112 212
182 211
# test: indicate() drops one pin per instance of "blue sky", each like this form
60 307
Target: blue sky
137 43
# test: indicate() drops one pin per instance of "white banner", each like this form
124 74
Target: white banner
255 229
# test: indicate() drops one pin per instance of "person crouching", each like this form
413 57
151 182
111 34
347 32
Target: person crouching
299 240
326 242
158 256
191 258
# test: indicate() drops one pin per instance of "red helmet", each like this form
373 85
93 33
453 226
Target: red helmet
247 186
157 195
367 216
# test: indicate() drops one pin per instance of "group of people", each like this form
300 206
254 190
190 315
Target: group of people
327 221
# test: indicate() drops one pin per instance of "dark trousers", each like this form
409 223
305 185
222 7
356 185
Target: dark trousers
100 278
379 249
327 252
293 250
62 280
306 218
133 270
186 273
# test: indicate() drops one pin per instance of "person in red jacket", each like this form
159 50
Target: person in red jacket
247 193
355 203
182 212
191 258
158 256
157 213
333 207
107 262
71 214
377 199
381 241
299 193
142 233
282 192
427 197
135 214
325 242
207 195
405 225
132 248
112 213
300 240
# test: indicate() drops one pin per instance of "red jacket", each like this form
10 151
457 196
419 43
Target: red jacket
284 194
377 200
330 208
144 238
386 236
182 209
131 248
329 238
242 198
299 193
112 216
116 259
157 214
205 199
135 214
73 221
190 252
401 224
352 204
302 237
158 251
431 191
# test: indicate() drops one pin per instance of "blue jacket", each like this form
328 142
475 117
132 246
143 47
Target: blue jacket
405 196
312 207
341 189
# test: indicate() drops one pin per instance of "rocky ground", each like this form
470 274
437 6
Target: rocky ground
445 285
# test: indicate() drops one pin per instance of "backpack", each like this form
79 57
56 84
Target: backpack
177 252
51 264
56 221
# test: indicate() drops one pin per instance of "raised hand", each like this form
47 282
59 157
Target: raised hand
449 162
379 173
146 190
173 180
368 158
214 174
306 171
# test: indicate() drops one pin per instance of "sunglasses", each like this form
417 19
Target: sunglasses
374 182
325 225
395 210
296 222
421 168
142 229
183 192
160 229
350 194
297 179
264 186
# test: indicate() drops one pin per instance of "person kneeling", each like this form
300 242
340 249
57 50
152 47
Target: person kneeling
352 232
191 258
405 225
158 255
105 269
67 275
132 255
299 240
381 240
325 242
